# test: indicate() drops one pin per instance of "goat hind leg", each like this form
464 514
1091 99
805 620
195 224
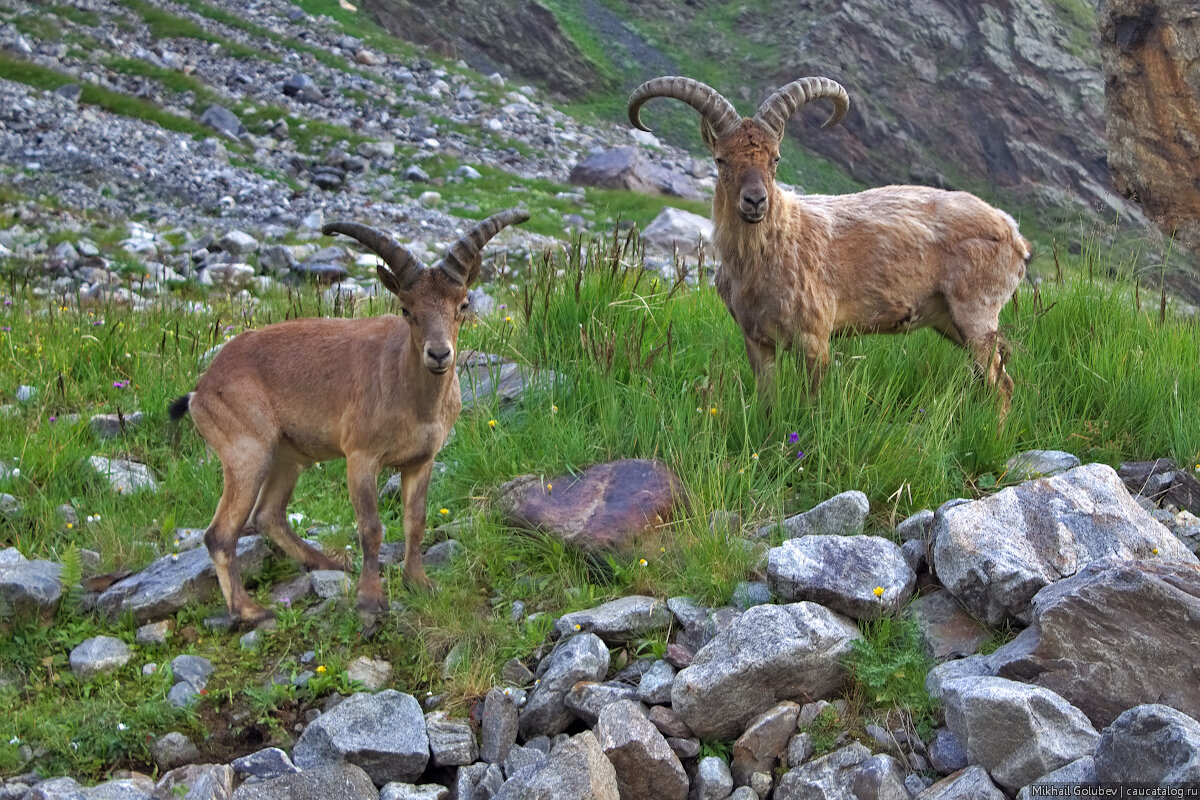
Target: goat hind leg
270 517
221 538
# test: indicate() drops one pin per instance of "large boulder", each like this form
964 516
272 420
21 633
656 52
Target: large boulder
1150 744
770 653
971 783
577 770
605 508
995 554
1014 731
98 655
1115 635
863 577
618 621
626 168
830 777
1162 481
583 657
676 230
343 781
841 515
383 733
28 588
174 581
647 768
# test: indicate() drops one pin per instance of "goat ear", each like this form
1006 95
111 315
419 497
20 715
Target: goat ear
463 260
402 269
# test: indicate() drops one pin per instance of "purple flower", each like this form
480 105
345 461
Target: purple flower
6 329
800 454
54 419
120 384
7 302
793 437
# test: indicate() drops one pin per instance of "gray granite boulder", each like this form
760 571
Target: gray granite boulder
1115 635
583 657
588 699
771 653
343 781
499 728
713 780
1079 771
174 581
576 770
764 743
947 630
408 791
28 589
1014 731
972 783
98 655
842 573
676 230
655 684
125 477
646 767
995 554
270 762
618 621
830 777
451 741
1039 464
1151 744
384 733
840 515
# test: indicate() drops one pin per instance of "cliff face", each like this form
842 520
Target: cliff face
1151 57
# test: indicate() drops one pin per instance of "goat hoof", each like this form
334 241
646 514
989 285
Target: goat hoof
250 618
376 606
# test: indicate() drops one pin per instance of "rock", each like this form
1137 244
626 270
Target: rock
302 87
680 231
1163 482
918 527
229 276
764 743
173 750
668 722
1016 732
1039 464
429 199
182 695
343 781
484 377
238 244
372 673
748 594
830 777
863 577
321 272
625 168
197 782
588 699
800 749
1150 744
520 759
1152 107
125 477
195 670
946 752
331 583
155 633
606 507
880 777
383 733
712 781
407 791
451 741
840 515
580 658
656 682
499 729
770 653
265 764
576 770
223 121
968 667
1114 635
995 554
618 621
646 767
971 783
28 589
98 655
175 581
110 426
947 630
442 553
1080 771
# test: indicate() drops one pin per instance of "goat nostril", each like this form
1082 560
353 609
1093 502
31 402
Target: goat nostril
439 357
754 201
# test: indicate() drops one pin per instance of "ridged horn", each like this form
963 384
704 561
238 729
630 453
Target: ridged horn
713 107
777 109
403 266
459 259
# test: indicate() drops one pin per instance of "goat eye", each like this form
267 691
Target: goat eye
720 162
404 312
465 306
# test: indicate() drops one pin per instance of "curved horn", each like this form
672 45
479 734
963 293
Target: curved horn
403 265
777 109
715 109
459 263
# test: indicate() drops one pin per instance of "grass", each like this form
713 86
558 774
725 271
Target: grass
647 368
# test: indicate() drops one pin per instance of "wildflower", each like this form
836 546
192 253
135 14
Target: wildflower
799 454
878 591
286 601
443 511
793 437
754 456
53 419
97 516
90 518
121 726
70 526
174 556
120 384
578 627
554 410
549 487
508 319
662 549
508 691
16 472
713 411
642 562
13 740
1154 551
742 471
321 669
491 423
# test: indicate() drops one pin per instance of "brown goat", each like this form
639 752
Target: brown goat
378 392
796 270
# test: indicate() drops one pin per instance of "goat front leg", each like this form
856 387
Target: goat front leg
815 347
761 354
414 485
362 474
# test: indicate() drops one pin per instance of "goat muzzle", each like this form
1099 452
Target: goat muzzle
438 361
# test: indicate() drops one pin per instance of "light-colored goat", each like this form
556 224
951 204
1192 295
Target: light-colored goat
379 392
797 269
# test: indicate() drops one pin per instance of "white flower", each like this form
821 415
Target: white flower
295 518
16 471
121 726
14 740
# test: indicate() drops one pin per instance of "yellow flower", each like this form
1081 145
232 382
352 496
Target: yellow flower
549 487
879 591
662 549
321 669
443 511
578 627
508 319
491 423
553 409
70 525
643 562
713 411
1154 551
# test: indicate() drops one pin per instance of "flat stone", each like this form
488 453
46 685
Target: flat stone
487 378
863 577
408 791
383 733
451 741
98 655
606 508
110 426
947 630
626 168
1039 464
995 554
841 515
618 621
343 781
270 762
588 699
124 476
771 653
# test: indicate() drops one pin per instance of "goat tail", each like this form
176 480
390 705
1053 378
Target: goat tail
179 407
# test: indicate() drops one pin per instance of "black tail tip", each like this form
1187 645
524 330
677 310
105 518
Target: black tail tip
179 407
